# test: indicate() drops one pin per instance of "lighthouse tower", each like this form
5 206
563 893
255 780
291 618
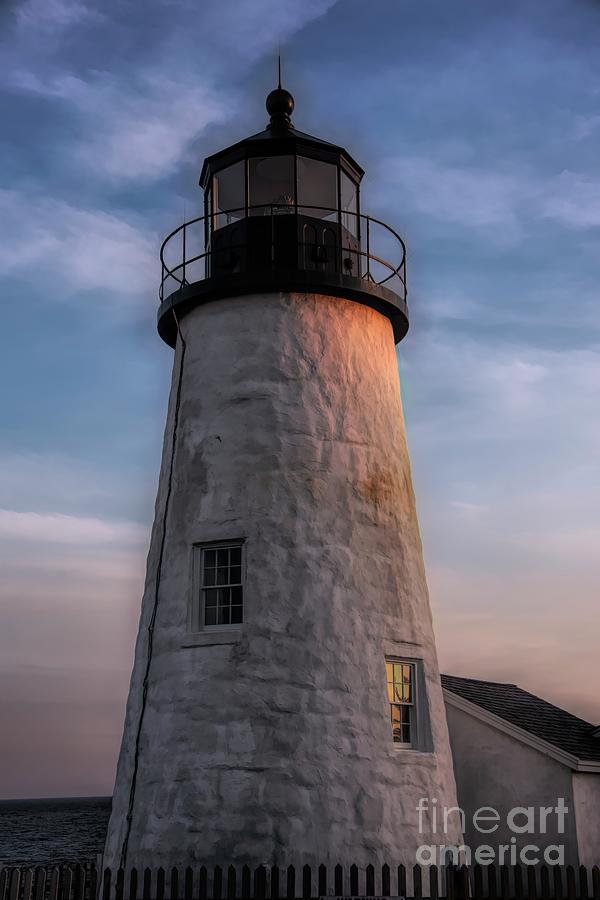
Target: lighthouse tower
285 703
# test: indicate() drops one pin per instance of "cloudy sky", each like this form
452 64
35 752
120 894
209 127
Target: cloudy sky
479 126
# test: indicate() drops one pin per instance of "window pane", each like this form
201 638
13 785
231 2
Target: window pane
271 185
222 603
349 191
210 598
229 193
222 576
317 188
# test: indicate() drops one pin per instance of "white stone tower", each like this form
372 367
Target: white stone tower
285 703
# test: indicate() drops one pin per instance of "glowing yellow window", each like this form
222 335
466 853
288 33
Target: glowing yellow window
401 696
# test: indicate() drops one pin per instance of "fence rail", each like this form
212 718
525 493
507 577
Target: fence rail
86 882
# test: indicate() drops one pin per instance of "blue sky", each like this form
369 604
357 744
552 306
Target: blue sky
478 125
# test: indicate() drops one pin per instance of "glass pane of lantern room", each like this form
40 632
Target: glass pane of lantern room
348 193
270 185
229 195
317 188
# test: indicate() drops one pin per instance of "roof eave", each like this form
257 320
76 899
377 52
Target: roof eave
294 138
520 734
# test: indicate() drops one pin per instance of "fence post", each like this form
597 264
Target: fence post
504 883
322 881
386 881
246 882
545 883
417 882
105 886
120 884
93 884
133 884
596 882
274 882
15 884
160 884
306 882
354 880
338 880
28 885
217 883
571 884
147 889
370 881
433 883
557 878
584 891
401 881
231 883
518 882
531 883
188 884
291 883
174 883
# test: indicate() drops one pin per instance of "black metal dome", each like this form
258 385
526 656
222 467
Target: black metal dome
280 136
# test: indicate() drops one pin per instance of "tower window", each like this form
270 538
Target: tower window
401 686
221 584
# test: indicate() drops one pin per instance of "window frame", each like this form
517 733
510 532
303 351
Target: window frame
412 704
197 616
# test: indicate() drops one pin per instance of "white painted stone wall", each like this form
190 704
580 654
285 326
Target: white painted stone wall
278 747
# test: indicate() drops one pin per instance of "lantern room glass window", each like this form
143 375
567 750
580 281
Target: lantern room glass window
271 185
317 189
229 195
349 200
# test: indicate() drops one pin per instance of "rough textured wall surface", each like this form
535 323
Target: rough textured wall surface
277 746
494 769
586 802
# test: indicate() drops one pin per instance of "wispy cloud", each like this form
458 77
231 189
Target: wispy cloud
75 248
138 131
55 15
58 528
502 203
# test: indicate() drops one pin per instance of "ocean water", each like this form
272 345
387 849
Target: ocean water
38 832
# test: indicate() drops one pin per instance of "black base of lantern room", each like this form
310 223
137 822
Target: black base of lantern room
358 289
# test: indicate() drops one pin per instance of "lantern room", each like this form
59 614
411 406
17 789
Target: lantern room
282 197
282 211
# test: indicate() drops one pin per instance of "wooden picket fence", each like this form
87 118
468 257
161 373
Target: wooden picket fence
86 882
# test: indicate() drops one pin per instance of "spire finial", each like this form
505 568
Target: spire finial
280 104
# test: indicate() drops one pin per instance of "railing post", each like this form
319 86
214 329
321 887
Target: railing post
184 252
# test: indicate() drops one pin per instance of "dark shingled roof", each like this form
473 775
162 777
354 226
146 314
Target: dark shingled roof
531 713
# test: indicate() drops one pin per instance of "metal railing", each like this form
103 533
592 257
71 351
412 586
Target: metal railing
186 252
